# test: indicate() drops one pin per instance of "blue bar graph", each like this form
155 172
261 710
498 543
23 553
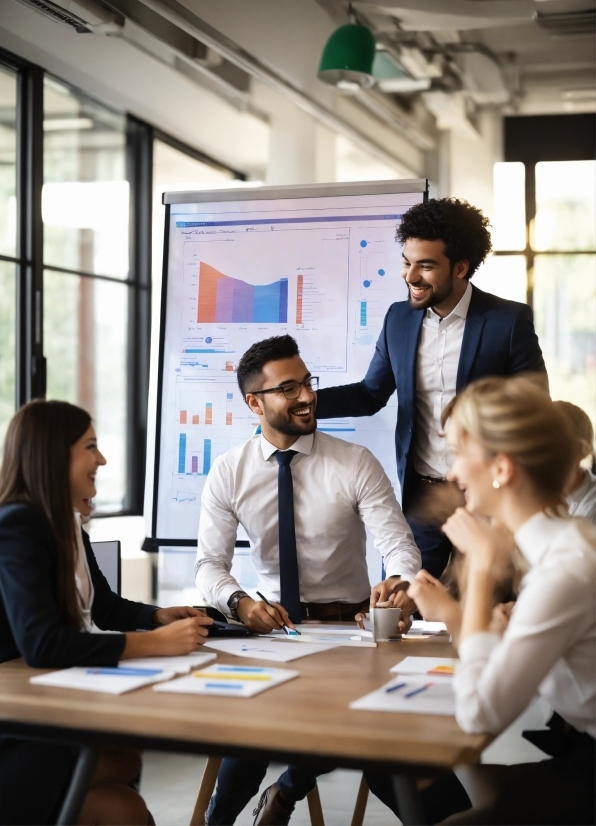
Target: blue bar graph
363 313
206 456
182 453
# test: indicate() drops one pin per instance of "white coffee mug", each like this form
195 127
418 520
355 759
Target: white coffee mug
384 622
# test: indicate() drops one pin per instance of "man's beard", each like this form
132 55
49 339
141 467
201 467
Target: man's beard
434 297
283 423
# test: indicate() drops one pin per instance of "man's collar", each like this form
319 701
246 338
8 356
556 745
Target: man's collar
303 444
460 309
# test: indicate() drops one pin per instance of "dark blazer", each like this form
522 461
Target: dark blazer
499 340
29 622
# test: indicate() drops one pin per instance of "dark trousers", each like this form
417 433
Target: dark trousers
552 793
434 546
239 780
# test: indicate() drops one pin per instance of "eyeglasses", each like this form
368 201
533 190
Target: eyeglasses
291 390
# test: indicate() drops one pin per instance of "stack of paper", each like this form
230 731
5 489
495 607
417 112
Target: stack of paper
264 648
107 680
412 695
432 666
180 665
229 681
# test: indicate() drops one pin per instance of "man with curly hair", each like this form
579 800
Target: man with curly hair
446 335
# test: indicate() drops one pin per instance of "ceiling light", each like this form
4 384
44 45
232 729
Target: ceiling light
347 58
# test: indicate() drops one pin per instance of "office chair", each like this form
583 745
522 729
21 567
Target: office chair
108 556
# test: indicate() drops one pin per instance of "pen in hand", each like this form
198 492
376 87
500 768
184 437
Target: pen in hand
285 628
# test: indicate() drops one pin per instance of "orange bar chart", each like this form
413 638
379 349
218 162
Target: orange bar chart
183 416
299 297
209 413
195 419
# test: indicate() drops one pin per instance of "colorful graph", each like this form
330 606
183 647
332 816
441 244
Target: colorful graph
224 299
194 459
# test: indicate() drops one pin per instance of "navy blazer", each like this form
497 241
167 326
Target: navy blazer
29 622
499 340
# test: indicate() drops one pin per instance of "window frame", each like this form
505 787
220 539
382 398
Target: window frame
30 367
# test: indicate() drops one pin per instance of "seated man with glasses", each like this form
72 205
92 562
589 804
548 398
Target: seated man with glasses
304 498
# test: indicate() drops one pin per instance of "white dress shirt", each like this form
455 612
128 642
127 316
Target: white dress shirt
582 500
549 647
339 488
437 361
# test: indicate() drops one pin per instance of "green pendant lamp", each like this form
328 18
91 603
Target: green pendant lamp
348 58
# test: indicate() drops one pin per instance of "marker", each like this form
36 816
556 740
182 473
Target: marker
285 628
418 690
224 685
250 669
126 672
394 687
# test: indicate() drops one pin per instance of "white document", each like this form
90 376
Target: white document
422 627
362 639
431 666
180 665
411 695
229 681
263 648
107 680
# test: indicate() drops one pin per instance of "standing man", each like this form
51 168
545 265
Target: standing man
445 336
304 498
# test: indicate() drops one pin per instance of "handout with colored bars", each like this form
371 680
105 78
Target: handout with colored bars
411 695
229 681
433 666
102 678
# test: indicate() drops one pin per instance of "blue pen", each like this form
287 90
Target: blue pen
126 672
418 690
231 686
285 628
394 687
251 669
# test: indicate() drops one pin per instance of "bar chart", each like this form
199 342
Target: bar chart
225 299
183 454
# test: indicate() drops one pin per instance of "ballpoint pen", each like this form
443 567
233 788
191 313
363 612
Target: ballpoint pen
286 629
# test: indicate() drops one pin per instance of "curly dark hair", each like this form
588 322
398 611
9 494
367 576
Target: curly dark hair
258 354
462 228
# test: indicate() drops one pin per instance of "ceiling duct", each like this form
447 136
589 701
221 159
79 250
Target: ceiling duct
566 24
83 16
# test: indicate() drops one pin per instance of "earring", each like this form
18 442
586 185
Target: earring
496 485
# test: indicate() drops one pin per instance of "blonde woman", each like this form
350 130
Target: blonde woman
580 493
513 453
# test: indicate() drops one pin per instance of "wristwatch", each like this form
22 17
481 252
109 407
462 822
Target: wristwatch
233 604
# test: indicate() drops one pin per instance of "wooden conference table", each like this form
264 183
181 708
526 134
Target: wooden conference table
305 720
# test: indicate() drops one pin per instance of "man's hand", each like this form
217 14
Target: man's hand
263 618
392 593
434 602
164 616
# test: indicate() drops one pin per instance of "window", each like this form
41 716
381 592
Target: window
550 261
564 278
86 260
8 245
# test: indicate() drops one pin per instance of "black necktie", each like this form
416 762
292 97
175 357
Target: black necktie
288 559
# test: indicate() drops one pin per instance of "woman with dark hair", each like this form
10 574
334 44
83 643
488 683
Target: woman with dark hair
52 593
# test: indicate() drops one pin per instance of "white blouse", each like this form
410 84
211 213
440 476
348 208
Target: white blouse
549 647
582 500
84 585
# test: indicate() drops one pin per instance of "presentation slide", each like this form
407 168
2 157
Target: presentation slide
323 269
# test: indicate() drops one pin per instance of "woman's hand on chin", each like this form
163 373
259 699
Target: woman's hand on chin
488 545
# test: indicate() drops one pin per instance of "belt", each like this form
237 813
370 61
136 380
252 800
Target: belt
333 611
430 479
